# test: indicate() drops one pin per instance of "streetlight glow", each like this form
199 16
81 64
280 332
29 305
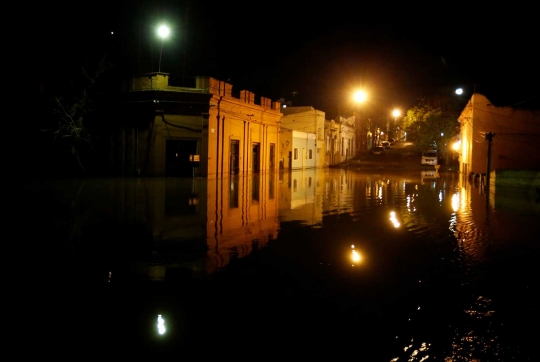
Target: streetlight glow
163 32
161 325
360 96
396 113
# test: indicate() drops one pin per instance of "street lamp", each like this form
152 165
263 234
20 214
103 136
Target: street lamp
163 32
396 113
360 97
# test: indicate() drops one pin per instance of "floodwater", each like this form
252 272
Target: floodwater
335 263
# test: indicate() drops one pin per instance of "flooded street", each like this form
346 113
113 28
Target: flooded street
335 263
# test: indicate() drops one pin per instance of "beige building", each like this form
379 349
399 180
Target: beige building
332 140
341 139
308 124
298 149
515 137
202 131
340 136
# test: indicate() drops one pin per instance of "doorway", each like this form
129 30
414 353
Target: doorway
177 163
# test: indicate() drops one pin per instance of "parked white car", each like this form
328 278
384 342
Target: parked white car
429 158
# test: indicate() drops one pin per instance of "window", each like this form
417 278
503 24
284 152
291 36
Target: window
310 154
296 153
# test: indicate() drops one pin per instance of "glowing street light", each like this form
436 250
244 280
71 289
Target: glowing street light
360 96
161 325
396 113
163 32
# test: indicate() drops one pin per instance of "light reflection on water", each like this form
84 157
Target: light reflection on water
426 254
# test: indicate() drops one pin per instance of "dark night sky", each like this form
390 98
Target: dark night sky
322 52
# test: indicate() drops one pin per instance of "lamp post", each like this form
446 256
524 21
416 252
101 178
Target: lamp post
396 113
360 97
163 32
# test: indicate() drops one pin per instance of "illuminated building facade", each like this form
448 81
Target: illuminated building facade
203 131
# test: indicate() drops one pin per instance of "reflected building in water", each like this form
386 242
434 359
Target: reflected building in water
162 227
242 216
301 196
224 219
489 221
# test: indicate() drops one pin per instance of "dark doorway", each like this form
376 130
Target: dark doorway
256 166
177 163
290 161
235 157
272 156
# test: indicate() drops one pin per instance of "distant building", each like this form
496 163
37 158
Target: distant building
332 142
348 138
340 138
201 131
306 143
364 134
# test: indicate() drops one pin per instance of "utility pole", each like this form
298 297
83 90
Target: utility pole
489 138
